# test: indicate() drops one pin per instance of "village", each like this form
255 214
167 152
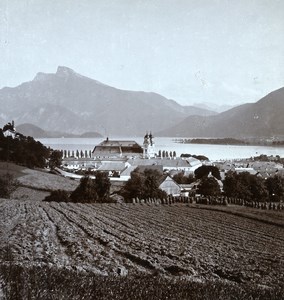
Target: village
118 158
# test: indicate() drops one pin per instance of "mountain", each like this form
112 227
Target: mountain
31 130
261 119
37 132
66 101
214 107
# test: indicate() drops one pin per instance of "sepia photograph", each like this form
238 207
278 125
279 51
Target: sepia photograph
141 149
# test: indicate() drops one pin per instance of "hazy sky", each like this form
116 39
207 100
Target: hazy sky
222 51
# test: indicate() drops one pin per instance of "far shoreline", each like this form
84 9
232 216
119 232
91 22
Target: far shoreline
229 141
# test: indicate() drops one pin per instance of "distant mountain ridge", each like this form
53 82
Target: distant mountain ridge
37 132
214 107
261 119
69 102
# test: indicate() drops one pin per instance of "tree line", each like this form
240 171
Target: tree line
237 185
28 152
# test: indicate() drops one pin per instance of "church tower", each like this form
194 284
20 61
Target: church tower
148 146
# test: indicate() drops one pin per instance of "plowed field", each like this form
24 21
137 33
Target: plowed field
177 240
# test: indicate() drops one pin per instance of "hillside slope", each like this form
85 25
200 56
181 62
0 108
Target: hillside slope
261 119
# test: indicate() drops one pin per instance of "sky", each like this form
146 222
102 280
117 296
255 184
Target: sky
225 52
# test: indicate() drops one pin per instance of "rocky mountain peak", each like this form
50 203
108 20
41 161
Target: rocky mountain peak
40 76
64 71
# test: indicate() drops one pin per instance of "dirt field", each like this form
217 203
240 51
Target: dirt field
175 241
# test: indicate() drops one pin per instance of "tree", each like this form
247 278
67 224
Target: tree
134 186
275 188
85 192
258 189
8 184
245 186
204 171
24 150
200 157
143 185
180 178
209 186
55 159
92 190
230 184
102 186
151 184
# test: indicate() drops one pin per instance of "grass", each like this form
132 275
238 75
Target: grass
35 184
15 170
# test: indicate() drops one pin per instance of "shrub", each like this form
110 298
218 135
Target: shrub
58 196
8 184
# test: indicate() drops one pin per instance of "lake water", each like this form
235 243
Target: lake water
213 152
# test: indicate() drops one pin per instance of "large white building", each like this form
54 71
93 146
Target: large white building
117 149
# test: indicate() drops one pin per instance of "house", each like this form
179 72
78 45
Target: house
113 168
142 168
10 130
189 189
168 185
252 171
186 165
126 173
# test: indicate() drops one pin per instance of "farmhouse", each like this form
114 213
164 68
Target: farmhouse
168 185
113 168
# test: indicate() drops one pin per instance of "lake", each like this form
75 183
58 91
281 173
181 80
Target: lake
213 152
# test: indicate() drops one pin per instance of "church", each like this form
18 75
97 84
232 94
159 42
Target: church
149 146
125 149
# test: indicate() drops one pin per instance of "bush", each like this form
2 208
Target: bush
58 196
8 184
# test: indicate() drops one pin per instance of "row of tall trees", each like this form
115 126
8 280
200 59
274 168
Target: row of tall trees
167 154
77 153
